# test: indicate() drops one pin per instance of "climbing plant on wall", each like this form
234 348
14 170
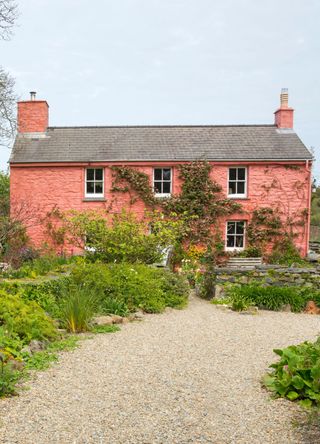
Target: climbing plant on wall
199 204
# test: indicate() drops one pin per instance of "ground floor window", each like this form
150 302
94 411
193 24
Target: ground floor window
235 235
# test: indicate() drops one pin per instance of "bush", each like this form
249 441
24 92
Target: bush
136 286
296 376
38 267
46 293
270 298
26 319
120 237
8 379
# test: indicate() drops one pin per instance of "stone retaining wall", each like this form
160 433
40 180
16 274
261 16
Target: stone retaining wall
266 275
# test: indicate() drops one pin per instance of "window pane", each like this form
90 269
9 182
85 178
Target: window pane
90 187
166 187
99 187
231 228
98 174
241 173
232 173
90 174
239 241
166 174
240 228
157 187
240 188
158 174
232 187
230 241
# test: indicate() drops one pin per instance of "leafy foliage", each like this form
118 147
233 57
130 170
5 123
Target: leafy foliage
8 379
79 305
131 180
119 237
134 286
270 298
296 376
25 318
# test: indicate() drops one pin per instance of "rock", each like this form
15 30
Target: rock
286 308
117 319
138 315
103 320
219 292
26 349
36 346
311 308
16 365
4 266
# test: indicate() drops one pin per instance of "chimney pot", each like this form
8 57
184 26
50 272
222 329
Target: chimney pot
33 95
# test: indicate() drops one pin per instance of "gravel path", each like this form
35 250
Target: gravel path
189 376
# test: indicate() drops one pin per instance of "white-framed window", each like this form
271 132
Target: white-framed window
235 237
237 182
162 181
94 182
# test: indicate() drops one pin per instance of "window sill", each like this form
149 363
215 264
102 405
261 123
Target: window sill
238 197
94 199
162 196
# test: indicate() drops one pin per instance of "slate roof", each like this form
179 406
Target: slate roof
160 143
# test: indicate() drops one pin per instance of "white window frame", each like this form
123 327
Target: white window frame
238 195
153 180
244 236
97 195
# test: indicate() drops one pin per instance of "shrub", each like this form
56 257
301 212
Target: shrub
285 252
46 293
25 318
240 303
79 305
296 376
8 379
270 298
136 286
120 237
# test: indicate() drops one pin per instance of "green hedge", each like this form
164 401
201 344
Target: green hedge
273 298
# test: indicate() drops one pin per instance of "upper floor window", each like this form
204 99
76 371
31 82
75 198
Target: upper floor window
237 182
235 235
162 181
94 182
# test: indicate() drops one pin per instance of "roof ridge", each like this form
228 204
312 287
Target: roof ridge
164 126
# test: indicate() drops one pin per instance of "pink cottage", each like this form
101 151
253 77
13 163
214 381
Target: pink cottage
69 167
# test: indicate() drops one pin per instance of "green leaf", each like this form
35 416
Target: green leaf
292 395
306 403
315 372
278 351
298 382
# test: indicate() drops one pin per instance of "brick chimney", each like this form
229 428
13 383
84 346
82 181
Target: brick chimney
33 115
283 117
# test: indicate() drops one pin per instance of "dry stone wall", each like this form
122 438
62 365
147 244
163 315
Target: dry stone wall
265 275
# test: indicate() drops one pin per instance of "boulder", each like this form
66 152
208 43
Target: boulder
36 346
311 308
117 319
103 320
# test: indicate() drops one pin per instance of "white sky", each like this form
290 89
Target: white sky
122 62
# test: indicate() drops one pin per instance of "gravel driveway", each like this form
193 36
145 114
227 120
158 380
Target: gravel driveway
189 376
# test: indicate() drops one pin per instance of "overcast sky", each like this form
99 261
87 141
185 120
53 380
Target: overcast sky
123 62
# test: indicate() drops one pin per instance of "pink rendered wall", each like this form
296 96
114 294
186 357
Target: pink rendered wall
40 188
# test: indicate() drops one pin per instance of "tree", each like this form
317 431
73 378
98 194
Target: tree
7 108
8 16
